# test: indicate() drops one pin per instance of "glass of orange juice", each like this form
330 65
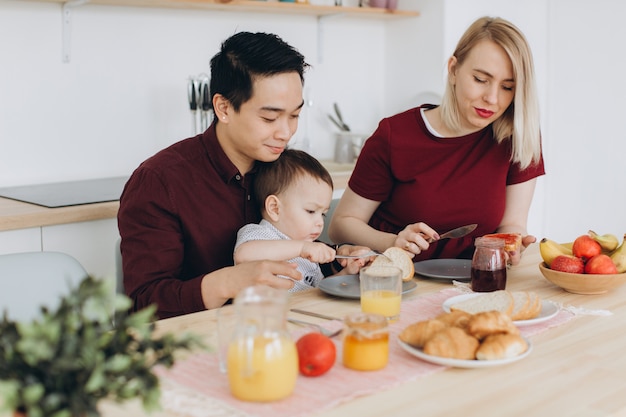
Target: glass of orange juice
381 290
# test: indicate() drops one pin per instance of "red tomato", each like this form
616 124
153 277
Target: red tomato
316 354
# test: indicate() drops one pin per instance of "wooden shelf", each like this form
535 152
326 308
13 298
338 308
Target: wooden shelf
243 6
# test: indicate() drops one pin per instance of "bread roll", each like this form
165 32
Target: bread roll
487 323
417 334
501 346
399 258
500 300
452 342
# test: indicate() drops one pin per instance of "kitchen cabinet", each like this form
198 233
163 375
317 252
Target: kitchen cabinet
251 6
91 243
20 240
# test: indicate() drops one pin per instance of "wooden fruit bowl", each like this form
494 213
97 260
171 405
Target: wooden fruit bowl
583 283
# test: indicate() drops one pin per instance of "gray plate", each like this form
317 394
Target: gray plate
347 286
450 269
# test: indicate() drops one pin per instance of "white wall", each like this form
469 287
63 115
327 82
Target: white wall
587 139
123 95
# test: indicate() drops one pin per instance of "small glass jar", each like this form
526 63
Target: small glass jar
488 272
366 342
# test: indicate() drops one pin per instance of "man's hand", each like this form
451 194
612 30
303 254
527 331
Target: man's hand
223 284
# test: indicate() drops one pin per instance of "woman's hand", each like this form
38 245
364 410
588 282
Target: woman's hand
415 238
516 256
353 265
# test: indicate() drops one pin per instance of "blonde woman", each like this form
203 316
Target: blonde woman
473 159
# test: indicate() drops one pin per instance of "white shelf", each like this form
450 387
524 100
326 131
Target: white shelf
243 6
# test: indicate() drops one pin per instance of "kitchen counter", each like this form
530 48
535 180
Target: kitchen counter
19 215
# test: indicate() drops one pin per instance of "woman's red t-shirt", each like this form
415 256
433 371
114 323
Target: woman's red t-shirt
443 182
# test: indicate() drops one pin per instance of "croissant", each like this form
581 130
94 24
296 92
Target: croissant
456 318
487 323
501 346
416 334
452 342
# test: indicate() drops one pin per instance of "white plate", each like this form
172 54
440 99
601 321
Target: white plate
463 363
348 286
548 309
450 269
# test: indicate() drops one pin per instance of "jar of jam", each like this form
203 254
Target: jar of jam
366 342
488 272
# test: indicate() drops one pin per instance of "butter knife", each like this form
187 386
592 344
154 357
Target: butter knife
456 233
313 314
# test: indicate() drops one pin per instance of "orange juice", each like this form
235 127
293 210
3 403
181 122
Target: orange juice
265 371
385 302
366 343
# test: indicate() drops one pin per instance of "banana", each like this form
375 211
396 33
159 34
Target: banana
550 249
608 242
619 257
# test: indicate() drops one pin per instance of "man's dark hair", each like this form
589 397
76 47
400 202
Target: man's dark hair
246 55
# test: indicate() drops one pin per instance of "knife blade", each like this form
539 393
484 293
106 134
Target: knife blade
456 233
205 103
192 94
313 314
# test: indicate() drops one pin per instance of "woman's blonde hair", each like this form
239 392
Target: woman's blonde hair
520 121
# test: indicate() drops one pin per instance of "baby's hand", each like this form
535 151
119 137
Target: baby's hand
317 252
353 266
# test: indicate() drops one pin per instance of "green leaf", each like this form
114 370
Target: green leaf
121 302
141 317
151 399
33 393
118 363
96 381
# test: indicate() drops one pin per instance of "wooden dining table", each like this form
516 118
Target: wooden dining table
575 369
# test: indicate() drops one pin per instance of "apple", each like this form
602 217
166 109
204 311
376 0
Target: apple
316 354
567 263
586 247
600 264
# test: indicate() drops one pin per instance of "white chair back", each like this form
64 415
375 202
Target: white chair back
329 215
30 280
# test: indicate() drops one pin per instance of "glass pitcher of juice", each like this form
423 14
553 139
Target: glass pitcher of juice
262 359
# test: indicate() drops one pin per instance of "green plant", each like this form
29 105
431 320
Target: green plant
63 363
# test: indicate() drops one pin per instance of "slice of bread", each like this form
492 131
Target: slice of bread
535 306
521 305
397 257
500 300
512 241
